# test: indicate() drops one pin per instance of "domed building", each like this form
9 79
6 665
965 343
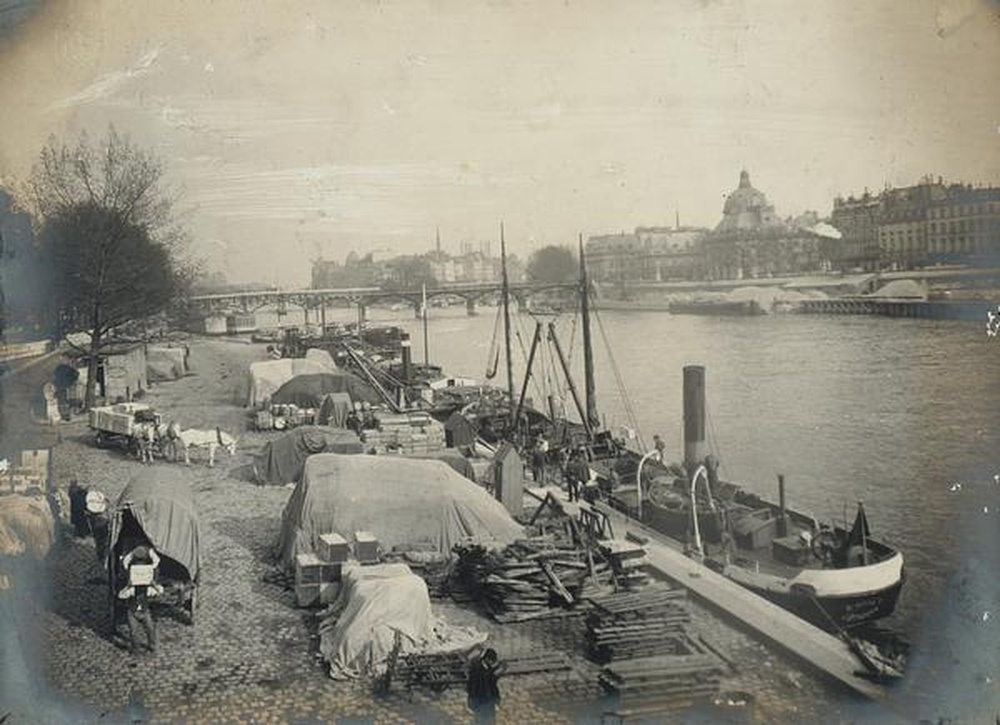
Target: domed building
746 208
751 241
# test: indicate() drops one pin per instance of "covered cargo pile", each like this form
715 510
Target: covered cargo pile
308 391
408 432
165 363
334 409
282 460
401 501
378 608
266 376
27 526
453 458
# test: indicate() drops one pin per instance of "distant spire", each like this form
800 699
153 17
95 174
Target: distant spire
438 236
677 219
744 179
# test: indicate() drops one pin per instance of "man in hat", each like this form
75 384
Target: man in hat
577 473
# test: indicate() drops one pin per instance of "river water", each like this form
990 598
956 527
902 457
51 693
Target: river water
901 414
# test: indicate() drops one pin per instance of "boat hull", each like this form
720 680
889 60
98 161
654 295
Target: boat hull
847 611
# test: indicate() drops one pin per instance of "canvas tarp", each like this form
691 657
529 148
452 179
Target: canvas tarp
266 376
454 458
307 391
402 501
334 409
162 502
374 603
27 526
165 363
281 460
322 357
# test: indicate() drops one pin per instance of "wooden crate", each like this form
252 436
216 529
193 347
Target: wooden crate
365 547
333 548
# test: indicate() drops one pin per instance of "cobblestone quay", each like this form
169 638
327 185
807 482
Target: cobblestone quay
251 656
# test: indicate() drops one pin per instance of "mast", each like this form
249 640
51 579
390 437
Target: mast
506 327
527 372
588 352
569 379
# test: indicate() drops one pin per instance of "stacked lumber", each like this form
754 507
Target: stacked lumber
441 670
657 684
409 432
524 580
626 625
627 560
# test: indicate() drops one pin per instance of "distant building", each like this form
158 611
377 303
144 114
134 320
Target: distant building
647 254
858 221
752 241
922 225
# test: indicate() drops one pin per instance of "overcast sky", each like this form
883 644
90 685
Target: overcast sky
300 129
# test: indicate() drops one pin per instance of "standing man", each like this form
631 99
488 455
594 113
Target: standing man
538 458
140 566
661 448
577 473
482 688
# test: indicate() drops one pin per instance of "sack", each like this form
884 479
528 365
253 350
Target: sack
140 575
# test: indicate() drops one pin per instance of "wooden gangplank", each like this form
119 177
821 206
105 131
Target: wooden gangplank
822 651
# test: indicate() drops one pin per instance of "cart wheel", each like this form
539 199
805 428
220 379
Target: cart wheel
101 440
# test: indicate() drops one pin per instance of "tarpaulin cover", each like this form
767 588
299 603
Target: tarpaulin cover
165 363
266 376
374 603
26 526
307 391
322 357
162 502
334 409
459 431
281 460
400 500
453 458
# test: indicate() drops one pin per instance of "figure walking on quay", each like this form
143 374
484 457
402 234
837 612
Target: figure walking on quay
140 566
482 686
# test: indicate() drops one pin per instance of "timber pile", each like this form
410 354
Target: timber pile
441 670
657 684
413 433
626 625
524 580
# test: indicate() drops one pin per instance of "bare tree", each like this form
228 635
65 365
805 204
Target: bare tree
107 230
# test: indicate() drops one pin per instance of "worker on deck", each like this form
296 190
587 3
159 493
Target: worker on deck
661 448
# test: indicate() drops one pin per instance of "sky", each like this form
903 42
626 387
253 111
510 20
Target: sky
294 130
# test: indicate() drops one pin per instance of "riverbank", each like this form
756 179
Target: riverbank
251 656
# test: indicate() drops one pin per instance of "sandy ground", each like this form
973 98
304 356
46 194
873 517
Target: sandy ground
251 656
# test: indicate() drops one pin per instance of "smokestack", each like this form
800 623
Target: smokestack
783 520
404 343
694 416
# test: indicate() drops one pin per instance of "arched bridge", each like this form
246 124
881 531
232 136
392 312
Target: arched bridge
362 297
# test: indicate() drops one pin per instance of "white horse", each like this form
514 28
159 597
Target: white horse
194 438
149 438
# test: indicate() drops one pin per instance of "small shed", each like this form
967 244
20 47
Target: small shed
121 371
508 479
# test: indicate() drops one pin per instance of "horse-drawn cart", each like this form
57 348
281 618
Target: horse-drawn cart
126 424
157 509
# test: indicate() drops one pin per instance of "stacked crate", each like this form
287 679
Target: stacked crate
413 433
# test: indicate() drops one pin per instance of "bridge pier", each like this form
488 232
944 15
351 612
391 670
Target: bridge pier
362 315
419 311
470 307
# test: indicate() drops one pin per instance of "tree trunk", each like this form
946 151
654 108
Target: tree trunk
92 365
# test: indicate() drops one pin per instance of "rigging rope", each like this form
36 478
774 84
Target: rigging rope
630 414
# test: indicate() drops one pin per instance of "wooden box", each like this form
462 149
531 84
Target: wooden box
308 569
140 575
333 548
313 595
365 547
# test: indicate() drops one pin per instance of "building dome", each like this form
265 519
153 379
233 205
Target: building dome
746 208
